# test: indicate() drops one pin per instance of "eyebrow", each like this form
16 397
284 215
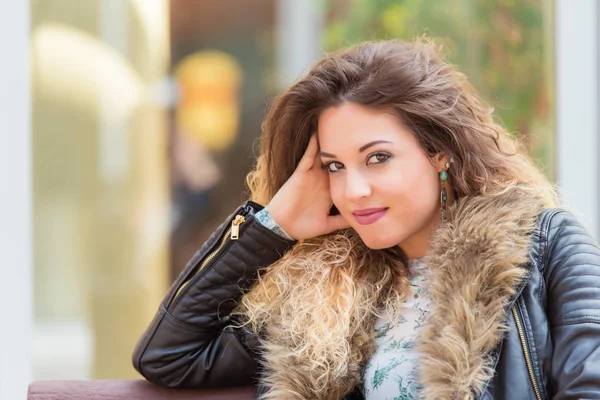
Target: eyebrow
360 150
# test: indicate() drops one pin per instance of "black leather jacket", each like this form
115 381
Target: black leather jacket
552 349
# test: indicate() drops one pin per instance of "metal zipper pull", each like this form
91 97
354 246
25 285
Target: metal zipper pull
235 226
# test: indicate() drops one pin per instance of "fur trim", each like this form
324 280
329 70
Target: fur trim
321 301
477 262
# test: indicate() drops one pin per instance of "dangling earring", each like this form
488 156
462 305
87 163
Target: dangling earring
443 194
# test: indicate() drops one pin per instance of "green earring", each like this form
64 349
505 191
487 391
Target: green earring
443 194
444 174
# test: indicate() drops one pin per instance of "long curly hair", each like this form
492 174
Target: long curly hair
315 308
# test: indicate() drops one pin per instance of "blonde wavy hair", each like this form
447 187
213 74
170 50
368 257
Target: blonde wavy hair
315 308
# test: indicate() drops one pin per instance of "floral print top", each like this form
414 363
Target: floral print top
265 218
391 374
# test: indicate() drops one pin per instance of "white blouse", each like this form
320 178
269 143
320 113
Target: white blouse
390 373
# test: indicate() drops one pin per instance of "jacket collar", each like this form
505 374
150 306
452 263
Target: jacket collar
478 262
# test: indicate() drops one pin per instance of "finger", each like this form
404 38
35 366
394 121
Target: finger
336 222
317 163
308 158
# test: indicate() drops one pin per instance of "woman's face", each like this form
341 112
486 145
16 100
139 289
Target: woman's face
381 180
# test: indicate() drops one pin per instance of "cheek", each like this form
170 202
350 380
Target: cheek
336 191
413 193
425 197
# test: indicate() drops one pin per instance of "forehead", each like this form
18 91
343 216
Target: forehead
350 126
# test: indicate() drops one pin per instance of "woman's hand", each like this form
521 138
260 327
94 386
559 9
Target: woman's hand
301 207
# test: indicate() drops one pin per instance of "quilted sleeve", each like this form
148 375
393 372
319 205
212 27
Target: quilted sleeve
190 342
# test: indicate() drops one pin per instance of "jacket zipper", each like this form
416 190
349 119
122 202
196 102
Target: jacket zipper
232 232
512 304
526 353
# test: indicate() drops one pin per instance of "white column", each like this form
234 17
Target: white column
299 25
577 94
15 201
113 134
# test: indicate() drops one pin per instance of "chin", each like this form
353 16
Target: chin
375 242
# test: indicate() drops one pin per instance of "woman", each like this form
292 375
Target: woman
408 250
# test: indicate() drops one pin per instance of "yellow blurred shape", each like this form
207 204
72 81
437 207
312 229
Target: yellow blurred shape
208 110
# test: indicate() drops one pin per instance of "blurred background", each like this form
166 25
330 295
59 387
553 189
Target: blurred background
129 126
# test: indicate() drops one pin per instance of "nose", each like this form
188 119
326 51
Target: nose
357 187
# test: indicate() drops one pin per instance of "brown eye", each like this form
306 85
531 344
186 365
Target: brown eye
334 166
378 158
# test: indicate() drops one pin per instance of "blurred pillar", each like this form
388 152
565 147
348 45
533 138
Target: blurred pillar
299 27
15 201
100 173
130 247
578 103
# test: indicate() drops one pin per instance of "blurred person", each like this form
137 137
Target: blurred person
194 176
408 249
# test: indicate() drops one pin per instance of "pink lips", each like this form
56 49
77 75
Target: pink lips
369 215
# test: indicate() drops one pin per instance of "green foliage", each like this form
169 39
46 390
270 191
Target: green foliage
503 46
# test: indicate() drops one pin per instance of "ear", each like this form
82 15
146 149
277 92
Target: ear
440 160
